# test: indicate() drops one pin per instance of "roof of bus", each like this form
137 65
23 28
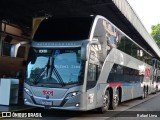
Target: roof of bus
118 11
66 28
150 42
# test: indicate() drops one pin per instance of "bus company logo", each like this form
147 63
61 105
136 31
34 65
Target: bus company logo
49 93
147 72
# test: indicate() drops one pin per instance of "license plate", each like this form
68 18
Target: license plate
45 102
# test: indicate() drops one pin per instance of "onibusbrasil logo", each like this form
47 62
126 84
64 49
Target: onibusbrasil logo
21 115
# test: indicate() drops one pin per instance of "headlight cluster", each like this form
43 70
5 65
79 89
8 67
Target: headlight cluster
72 94
28 91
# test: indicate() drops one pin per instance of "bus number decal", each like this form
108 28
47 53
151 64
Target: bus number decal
45 92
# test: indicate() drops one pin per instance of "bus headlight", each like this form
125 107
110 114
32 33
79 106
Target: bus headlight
28 91
72 94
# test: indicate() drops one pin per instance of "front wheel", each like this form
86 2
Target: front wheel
106 103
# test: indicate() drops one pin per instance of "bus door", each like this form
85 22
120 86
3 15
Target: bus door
92 77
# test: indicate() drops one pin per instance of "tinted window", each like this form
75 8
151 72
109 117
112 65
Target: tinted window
64 29
132 49
124 75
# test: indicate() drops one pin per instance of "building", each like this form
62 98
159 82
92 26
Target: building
12 34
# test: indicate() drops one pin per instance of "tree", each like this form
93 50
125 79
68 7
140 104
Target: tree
156 33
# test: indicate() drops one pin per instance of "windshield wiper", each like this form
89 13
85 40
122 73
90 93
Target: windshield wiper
44 70
56 73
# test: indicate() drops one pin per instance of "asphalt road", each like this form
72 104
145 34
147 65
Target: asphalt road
147 110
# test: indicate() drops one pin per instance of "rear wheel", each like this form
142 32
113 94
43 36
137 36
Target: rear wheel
144 95
156 90
115 100
106 103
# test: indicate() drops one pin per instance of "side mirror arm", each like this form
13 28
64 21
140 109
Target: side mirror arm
85 48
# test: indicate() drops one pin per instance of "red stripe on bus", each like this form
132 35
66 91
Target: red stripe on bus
115 84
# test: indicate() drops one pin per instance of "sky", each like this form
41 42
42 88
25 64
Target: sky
148 11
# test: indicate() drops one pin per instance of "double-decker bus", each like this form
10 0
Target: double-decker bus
84 63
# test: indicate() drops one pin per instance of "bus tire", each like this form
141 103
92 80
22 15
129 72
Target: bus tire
106 103
144 95
115 100
156 90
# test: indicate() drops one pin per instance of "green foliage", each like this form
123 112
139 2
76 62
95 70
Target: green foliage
156 33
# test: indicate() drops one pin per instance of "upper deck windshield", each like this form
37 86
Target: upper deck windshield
76 28
50 67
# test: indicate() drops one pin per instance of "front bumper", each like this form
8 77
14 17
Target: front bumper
63 104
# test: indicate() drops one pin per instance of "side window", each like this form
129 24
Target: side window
158 79
107 35
132 49
92 75
112 34
92 72
158 64
93 69
124 74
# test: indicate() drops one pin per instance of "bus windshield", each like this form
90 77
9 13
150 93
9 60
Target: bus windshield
57 66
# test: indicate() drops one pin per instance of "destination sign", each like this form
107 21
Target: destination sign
44 51
57 44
